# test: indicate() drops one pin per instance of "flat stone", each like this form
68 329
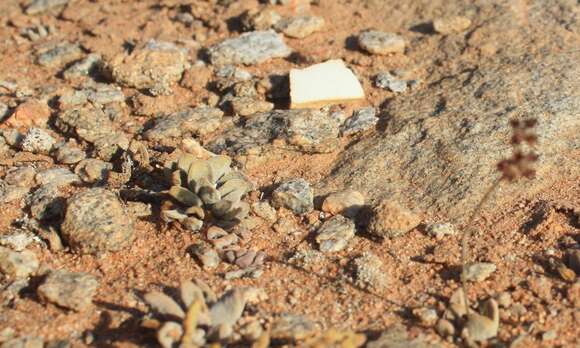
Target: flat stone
249 48
335 233
481 327
57 176
21 176
154 65
370 272
397 336
291 327
347 203
17 264
378 42
450 25
477 272
32 112
69 289
295 195
387 81
92 170
83 67
68 154
228 309
96 221
38 141
245 106
391 220
440 230
208 257
198 121
10 193
17 241
361 120
40 6
265 211
323 84
300 27
60 54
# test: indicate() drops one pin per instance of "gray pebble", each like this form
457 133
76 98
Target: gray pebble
83 67
10 193
347 203
37 140
46 203
387 81
291 327
301 26
249 48
69 289
68 154
208 257
439 230
360 121
377 42
57 176
92 170
294 194
96 221
60 54
335 233
199 121
17 241
264 210
228 309
17 264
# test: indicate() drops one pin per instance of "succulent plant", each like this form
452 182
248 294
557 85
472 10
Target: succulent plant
199 186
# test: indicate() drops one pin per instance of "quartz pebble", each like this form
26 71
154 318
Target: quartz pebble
439 230
37 140
347 203
17 264
377 42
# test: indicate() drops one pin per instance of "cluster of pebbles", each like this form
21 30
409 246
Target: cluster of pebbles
80 167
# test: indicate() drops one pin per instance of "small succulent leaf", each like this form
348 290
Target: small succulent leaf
185 196
238 211
172 215
163 304
197 172
195 211
221 208
219 166
209 195
230 176
234 189
169 334
176 178
193 224
185 161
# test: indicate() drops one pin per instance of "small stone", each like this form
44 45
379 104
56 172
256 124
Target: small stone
391 220
164 305
427 316
12 137
260 20
153 65
40 6
17 264
478 272
169 334
397 336
347 203
46 203
294 194
388 81
246 106
30 113
504 299
139 209
331 82
96 221
307 259
541 287
450 25
481 327
9 193
291 327
335 233
60 54
93 170
83 67
199 121
208 257
17 241
445 328
69 289
300 27
102 94
264 210
378 42
360 121
57 176
249 48
228 309
370 272
252 330
21 177
249 272
440 230
37 140
67 154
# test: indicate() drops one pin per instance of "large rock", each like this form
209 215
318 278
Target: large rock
96 221
437 149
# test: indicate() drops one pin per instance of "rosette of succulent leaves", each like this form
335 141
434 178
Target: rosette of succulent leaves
200 186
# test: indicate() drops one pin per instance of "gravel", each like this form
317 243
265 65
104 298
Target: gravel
96 221
335 233
70 290
38 141
295 195
249 48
